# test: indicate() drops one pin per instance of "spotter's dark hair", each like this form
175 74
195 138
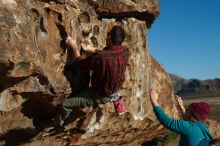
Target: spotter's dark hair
117 34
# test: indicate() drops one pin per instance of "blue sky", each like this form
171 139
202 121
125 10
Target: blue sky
185 38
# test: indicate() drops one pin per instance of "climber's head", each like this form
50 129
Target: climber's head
200 110
116 36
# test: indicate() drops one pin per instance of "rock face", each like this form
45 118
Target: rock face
35 64
195 87
214 128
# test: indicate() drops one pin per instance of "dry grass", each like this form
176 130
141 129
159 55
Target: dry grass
210 100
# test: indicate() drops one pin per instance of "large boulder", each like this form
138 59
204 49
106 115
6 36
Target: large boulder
35 64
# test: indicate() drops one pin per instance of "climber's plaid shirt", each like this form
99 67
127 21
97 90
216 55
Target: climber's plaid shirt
108 67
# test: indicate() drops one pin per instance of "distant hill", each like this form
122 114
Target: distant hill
195 87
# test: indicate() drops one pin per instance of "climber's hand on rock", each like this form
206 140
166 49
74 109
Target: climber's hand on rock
180 104
179 101
154 97
73 45
71 42
88 48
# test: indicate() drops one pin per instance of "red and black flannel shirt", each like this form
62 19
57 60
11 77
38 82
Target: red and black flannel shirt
108 67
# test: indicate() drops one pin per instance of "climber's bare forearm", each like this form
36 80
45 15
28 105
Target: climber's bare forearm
183 111
75 52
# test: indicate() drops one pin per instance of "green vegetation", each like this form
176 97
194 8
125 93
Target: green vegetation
170 139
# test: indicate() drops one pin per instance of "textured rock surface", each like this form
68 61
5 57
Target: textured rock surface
34 79
140 9
214 127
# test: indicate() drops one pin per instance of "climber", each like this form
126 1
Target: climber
192 129
108 66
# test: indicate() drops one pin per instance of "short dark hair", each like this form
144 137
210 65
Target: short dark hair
117 34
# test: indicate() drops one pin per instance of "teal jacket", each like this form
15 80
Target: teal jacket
191 132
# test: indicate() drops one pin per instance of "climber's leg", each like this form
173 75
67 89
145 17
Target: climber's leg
83 99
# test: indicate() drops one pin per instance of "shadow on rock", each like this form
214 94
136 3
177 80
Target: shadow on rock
17 136
78 81
40 111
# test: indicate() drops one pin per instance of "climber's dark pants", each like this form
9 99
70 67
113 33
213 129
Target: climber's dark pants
88 97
